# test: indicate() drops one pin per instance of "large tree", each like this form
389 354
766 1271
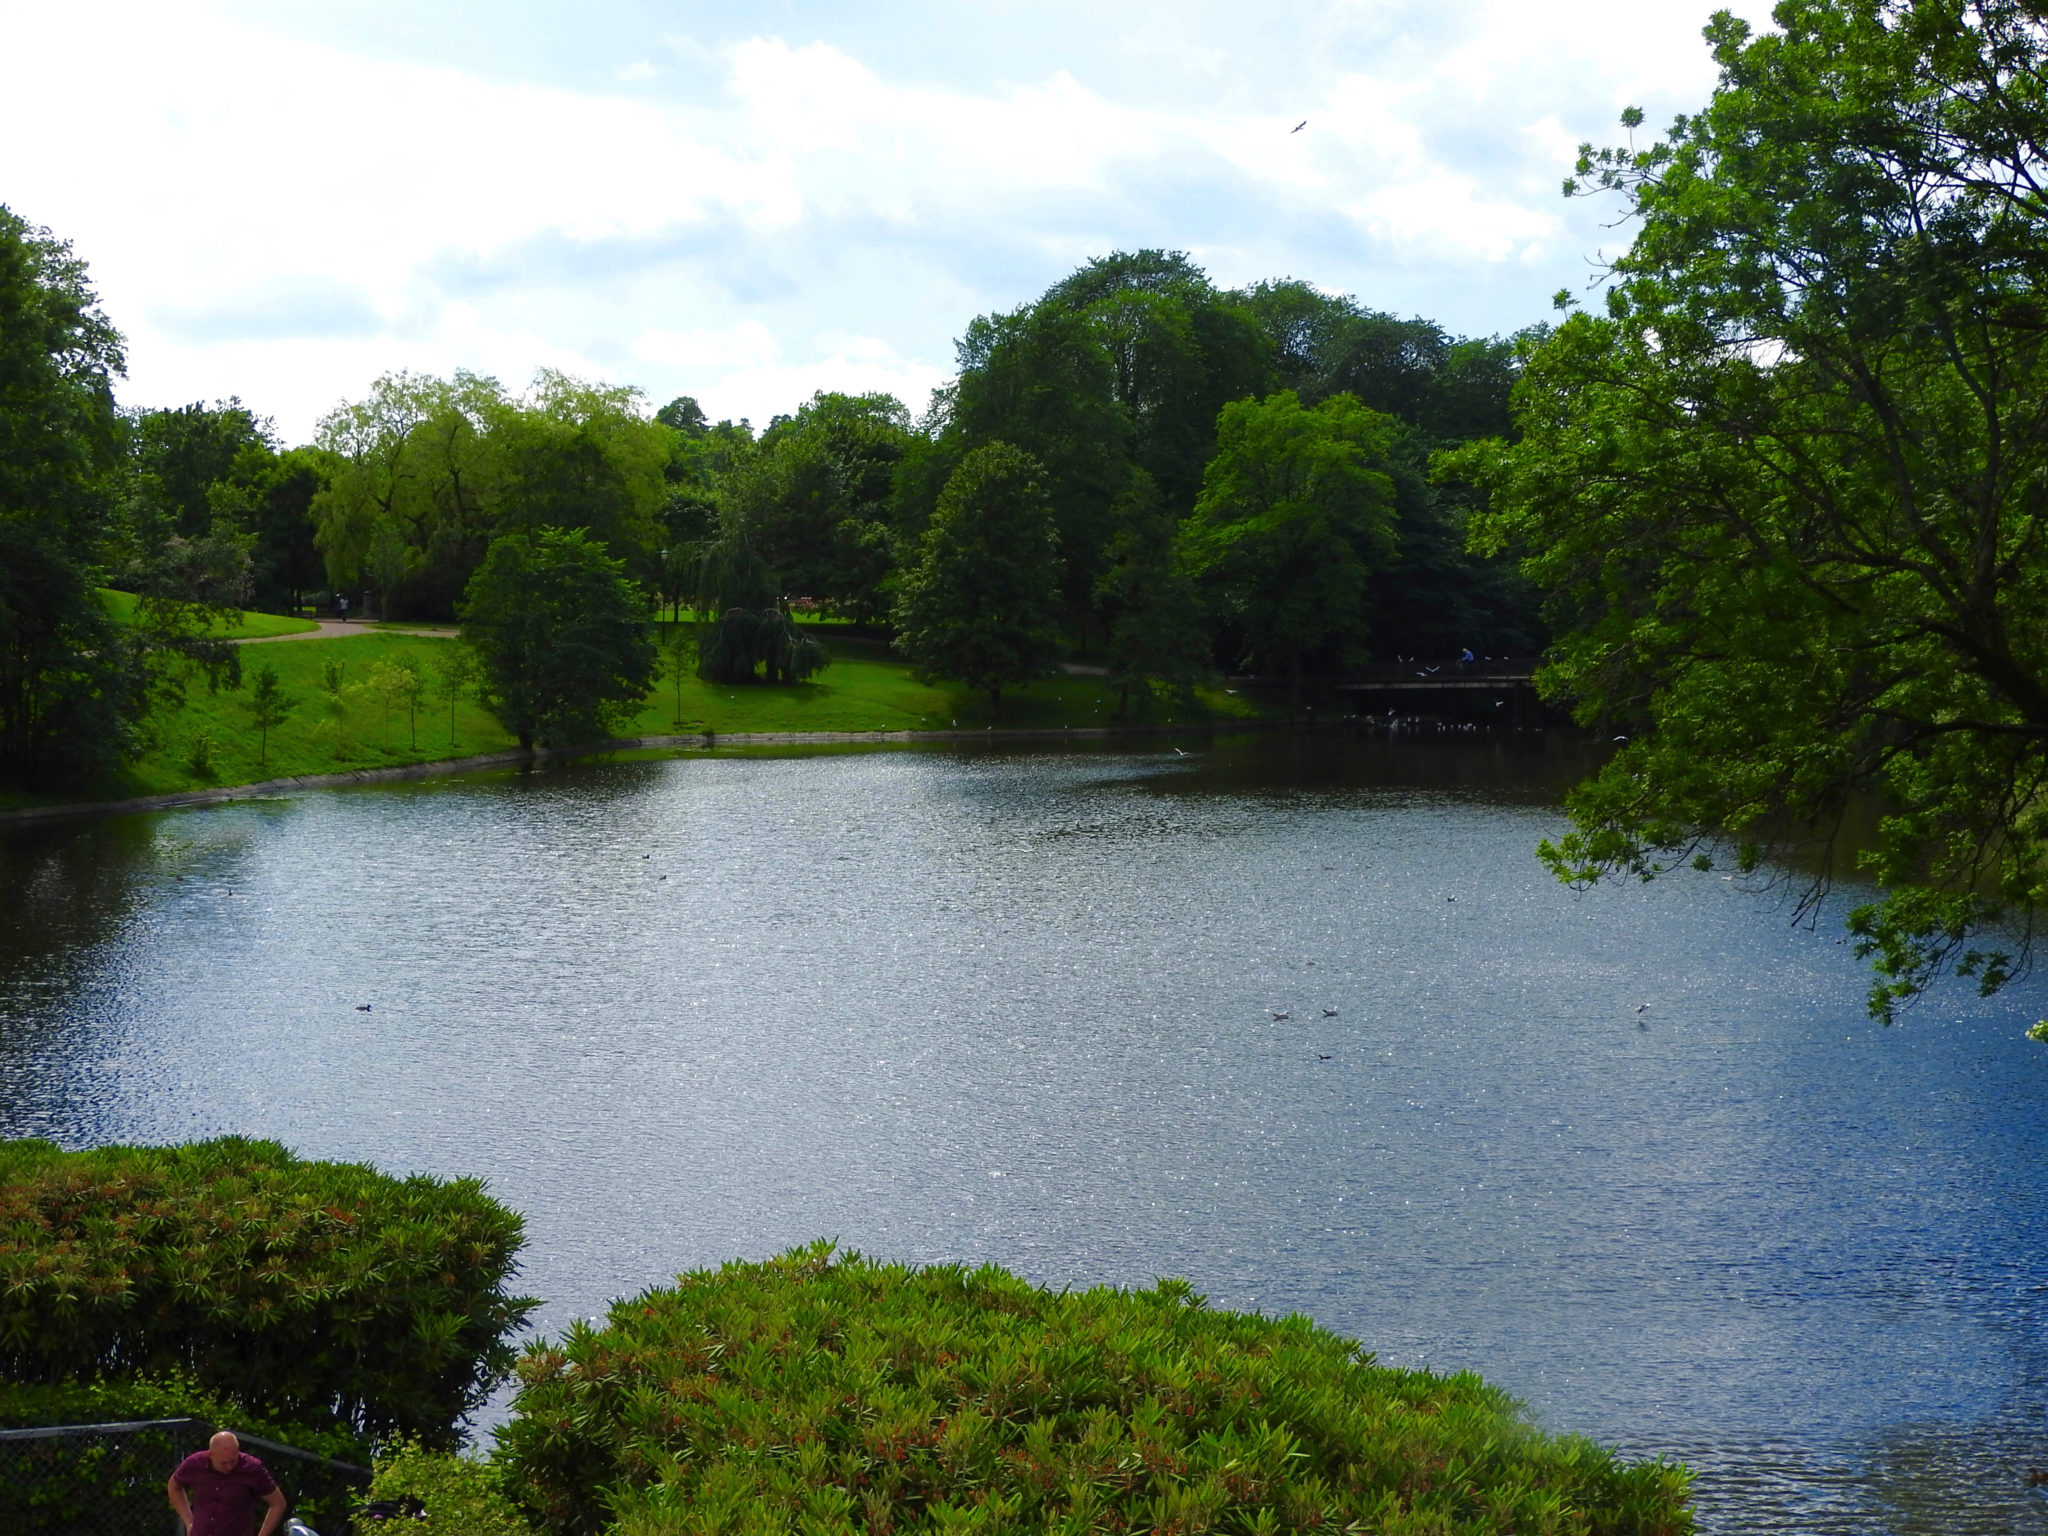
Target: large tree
71 688
560 636
1296 510
813 500
1790 489
981 602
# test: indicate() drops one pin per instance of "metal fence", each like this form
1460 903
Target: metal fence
108 1479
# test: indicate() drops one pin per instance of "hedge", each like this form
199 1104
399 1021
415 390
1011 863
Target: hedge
826 1393
319 1293
462 1495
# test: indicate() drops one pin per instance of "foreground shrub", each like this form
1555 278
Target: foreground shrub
462 1497
321 1293
825 1393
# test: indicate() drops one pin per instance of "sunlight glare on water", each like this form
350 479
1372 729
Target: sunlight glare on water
1635 1155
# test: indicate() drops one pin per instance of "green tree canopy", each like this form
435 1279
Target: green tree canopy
1296 509
71 689
981 602
559 633
426 472
1156 628
813 501
1787 489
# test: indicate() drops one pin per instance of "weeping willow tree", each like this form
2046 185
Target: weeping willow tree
749 626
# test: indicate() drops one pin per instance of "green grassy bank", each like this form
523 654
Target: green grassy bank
122 606
865 689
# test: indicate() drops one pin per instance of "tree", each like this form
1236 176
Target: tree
1786 490
814 500
982 600
269 706
1156 633
1296 509
455 674
678 658
559 633
72 692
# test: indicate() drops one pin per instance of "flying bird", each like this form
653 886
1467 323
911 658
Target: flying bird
362 1007
1299 126
1329 1013
1279 1018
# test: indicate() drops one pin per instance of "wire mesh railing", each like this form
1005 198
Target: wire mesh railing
108 1479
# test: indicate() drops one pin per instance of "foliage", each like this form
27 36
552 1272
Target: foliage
400 683
1296 508
1122 365
247 624
425 472
559 633
462 1496
269 706
1156 633
812 502
455 676
738 640
71 689
828 1393
980 604
1786 488
319 1292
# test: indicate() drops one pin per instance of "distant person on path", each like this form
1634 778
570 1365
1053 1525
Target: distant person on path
342 602
215 1491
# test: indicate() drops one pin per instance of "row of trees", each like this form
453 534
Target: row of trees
1166 476
1114 386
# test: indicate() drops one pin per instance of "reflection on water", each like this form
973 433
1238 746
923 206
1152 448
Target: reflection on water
1634 1154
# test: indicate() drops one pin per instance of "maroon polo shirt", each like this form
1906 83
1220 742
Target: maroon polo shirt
223 1503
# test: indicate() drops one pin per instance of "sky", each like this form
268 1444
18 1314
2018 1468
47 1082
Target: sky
281 201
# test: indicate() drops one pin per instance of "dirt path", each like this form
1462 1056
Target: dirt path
336 629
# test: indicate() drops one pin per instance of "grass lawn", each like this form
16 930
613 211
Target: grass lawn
122 606
865 689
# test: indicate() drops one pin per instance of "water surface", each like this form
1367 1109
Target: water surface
1636 1155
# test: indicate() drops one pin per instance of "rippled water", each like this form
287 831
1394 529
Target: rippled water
1018 1007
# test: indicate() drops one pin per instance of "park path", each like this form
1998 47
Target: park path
335 629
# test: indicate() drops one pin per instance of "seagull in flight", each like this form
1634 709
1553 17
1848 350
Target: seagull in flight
1299 126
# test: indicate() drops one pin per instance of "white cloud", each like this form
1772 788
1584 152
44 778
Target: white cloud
285 219
750 344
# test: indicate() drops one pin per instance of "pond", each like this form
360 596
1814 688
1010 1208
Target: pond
1301 1019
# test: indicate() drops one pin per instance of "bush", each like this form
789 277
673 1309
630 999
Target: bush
830 1394
321 1293
45 1485
463 1497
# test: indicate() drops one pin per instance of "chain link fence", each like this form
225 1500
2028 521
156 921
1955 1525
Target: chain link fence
108 1479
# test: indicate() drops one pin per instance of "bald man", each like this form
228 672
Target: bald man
215 1491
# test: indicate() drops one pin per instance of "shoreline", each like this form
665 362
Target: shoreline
704 741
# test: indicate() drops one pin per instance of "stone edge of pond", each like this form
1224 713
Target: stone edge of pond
707 741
